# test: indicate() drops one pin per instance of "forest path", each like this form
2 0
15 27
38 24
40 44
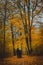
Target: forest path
26 60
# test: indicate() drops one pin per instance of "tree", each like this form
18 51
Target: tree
24 9
5 13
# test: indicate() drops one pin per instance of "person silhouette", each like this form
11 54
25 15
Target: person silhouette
19 53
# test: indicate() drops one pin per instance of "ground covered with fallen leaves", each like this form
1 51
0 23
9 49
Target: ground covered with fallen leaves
25 60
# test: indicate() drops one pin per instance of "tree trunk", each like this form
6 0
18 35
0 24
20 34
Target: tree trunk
4 28
12 38
29 26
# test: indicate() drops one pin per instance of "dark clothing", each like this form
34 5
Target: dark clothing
19 53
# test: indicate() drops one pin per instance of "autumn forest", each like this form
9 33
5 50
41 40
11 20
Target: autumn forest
21 28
